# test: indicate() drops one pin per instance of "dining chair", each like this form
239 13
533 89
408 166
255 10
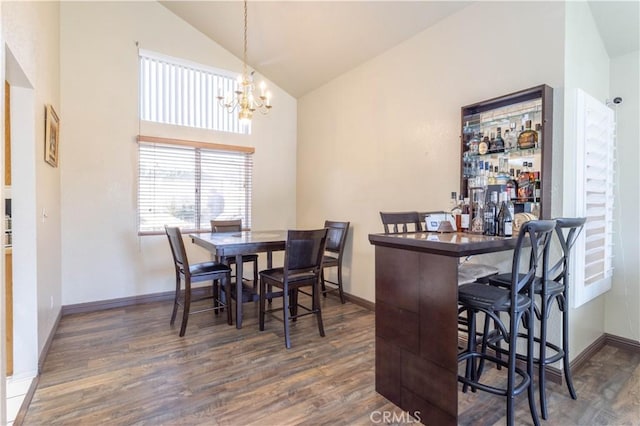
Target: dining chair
556 287
235 225
332 258
516 301
302 265
400 222
194 273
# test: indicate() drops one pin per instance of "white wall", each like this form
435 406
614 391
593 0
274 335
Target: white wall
622 316
103 256
385 136
587 68
31 33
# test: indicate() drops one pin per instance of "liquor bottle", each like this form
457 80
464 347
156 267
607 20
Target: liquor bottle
528 138
524 186
457 213
464 219
511 137
453 201
536 187
497 144
539 133
476 225
535 210
483 146
512 186
492 176
505 218
473 144
490 214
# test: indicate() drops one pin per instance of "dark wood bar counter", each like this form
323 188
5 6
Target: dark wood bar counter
416 318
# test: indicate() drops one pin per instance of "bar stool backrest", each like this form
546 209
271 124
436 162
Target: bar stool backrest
567 230
538 235
398 222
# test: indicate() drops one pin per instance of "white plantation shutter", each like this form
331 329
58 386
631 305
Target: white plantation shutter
189 184
183 93
595 131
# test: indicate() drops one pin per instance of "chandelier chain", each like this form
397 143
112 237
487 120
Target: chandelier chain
243 98
244 61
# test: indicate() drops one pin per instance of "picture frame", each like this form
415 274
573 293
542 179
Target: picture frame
51 136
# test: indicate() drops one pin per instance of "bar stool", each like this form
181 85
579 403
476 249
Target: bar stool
516 301
567 231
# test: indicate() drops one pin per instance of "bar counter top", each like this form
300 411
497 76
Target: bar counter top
454 244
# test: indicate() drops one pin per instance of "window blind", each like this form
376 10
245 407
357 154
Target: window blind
188 184
593 266
183 93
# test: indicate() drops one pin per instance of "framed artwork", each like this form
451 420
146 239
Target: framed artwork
51 136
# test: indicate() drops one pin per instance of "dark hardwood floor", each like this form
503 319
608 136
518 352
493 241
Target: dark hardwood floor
128 366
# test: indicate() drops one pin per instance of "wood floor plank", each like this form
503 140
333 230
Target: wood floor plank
127 366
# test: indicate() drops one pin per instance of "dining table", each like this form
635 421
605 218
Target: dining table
416 282
223 244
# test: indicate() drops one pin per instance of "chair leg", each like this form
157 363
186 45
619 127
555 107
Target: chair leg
542 357
255 275
216 297
483 350
511 370
471 347
175 300
340 283
324 287
185 309
227 288
262 297
293 304
316 307
285 315
565 347
530 356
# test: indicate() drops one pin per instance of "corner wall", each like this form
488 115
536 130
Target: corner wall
587 68
622 302
385 136
103 258
31 33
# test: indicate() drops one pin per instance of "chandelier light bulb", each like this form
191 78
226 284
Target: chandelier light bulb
244 100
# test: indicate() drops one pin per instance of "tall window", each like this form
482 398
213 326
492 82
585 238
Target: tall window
187 184
594 157
175 91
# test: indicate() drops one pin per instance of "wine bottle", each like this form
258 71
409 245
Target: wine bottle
464 219
490 214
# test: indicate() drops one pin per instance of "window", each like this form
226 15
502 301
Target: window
595 137
174 91
187 184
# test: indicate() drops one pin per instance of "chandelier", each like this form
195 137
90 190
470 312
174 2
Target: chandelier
243 98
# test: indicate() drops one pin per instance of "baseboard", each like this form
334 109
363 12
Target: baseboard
360 302
47 343
622 343
101 305
583 357
22 412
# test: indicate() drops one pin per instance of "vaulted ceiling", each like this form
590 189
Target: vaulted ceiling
300 45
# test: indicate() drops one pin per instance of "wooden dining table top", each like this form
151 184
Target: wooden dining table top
233 243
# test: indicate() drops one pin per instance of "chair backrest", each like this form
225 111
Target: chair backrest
399 222
304 251
567 230
177 248
534 235
234 225
336 236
